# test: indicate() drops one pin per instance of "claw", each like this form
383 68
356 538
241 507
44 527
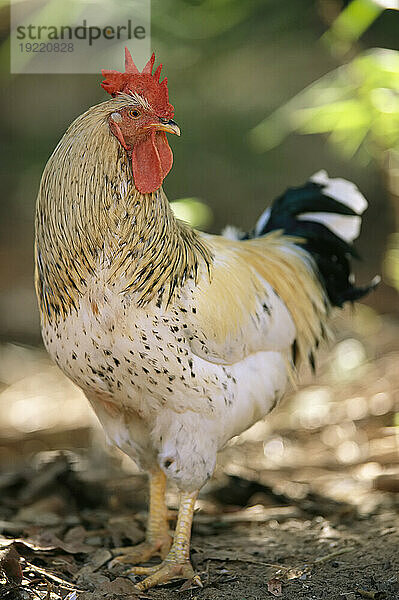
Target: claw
164 573
144 551
197 581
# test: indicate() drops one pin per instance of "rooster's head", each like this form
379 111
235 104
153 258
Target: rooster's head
140 126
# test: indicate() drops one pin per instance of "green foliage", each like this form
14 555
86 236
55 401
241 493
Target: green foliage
193 211
200 19
356 104
391 260
351 23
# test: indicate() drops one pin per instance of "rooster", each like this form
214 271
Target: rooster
179 339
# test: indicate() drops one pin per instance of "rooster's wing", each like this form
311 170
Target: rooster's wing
260 296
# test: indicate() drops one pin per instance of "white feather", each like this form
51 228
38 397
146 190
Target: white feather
232 233
346 192
342 190
261 222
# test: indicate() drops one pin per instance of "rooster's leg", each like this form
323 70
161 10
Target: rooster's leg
177 563
158 540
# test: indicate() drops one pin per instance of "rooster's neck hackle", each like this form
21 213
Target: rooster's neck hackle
90 218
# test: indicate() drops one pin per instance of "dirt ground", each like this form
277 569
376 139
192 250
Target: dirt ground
303 505
65 549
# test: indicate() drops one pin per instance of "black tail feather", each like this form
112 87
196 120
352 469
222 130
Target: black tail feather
330 252
304 199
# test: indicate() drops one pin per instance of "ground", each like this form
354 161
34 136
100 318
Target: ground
303 505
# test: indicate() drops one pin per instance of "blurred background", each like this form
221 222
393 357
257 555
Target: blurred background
266 94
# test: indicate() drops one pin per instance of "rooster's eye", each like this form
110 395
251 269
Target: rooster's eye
134 113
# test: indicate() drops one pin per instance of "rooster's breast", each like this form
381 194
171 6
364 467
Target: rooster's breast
153 396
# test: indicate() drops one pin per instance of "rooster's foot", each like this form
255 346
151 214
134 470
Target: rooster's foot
164 573
176 564
144 551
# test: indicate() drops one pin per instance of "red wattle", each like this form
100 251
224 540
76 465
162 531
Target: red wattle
146 165
164 151
151 161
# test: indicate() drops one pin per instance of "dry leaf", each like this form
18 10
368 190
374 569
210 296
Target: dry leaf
274 586
126 527
374 595
10 565
99 558
47 540
120 586
86 578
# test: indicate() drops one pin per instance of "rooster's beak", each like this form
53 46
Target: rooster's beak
168 126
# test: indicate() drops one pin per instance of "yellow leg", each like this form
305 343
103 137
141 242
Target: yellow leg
177 563
158 540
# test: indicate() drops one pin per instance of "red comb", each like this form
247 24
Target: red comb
146 84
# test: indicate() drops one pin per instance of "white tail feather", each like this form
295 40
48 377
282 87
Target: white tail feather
346 192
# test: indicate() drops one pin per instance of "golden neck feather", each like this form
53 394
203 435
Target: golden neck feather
89 216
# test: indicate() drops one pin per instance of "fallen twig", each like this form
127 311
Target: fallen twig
372 595
61 582
254 514
323 559
245 560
